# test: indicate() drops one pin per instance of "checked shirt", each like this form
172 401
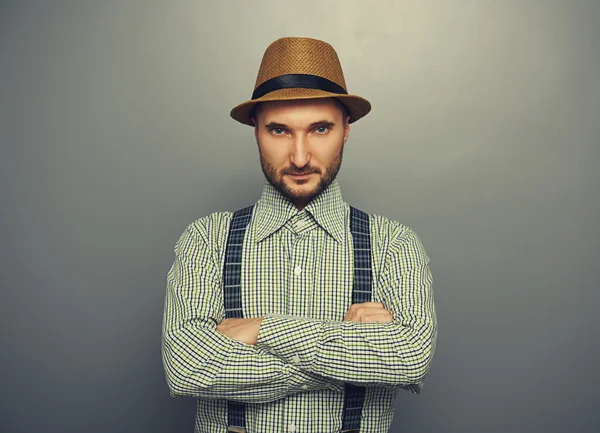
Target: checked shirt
297 272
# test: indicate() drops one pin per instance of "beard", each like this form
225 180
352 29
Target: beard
276 178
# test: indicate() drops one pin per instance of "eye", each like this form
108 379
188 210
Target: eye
277 131
322 129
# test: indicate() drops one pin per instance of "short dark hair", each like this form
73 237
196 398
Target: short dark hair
345 113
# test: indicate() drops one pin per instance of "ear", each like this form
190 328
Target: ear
255 127
347 129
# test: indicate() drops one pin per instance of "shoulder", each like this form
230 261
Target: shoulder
389 228
396 238
210 225
208 233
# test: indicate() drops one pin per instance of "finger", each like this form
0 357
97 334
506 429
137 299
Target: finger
355 314
351 315
372 310
365 304
361 305
381 318
373 307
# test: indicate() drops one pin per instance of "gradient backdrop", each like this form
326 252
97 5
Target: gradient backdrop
115 134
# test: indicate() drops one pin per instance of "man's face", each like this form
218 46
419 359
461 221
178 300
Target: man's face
300 144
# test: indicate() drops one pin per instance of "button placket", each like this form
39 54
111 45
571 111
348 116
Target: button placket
299 275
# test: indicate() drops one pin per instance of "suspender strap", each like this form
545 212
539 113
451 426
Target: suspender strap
232 295
361 292
361 238
232 270
354 396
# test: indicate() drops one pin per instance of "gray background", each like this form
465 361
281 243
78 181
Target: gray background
483 137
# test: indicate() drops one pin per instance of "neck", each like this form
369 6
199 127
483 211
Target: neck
300 204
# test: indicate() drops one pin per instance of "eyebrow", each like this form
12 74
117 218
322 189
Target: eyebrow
319 123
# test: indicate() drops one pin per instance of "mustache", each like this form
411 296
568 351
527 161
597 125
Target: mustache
305 170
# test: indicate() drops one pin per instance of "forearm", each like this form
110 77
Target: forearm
367 354
201 362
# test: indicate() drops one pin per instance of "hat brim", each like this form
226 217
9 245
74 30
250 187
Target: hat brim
357 107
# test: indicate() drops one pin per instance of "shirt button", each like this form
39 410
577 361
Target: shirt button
304 387
292 427
297 270
301 224
295 359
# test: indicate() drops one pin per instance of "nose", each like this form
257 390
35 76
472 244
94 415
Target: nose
300 155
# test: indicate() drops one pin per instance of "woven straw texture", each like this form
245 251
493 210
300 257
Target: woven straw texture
301 56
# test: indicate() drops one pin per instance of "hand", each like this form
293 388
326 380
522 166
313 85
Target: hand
244 330
368 312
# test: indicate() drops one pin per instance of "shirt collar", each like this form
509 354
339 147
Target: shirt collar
273 210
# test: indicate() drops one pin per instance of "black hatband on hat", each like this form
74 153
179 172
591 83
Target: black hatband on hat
304 81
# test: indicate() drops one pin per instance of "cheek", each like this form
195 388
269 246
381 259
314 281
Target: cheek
324 155
271 152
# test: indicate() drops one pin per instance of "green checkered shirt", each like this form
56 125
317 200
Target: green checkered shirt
297 272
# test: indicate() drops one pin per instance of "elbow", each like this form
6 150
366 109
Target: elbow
183 382
414 365
415 373
183 379
177 388
408 375
179 381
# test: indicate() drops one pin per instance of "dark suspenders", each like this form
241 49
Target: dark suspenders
354 396
232 296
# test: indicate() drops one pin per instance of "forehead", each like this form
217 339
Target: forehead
299 111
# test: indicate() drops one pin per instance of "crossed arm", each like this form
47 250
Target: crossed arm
269 357
246 330
200 361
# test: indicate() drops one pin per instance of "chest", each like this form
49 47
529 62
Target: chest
305 274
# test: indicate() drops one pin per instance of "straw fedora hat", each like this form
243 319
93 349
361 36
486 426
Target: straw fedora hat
300 68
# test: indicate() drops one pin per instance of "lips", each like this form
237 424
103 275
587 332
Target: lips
300 174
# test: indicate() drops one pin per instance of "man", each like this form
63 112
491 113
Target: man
299 314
